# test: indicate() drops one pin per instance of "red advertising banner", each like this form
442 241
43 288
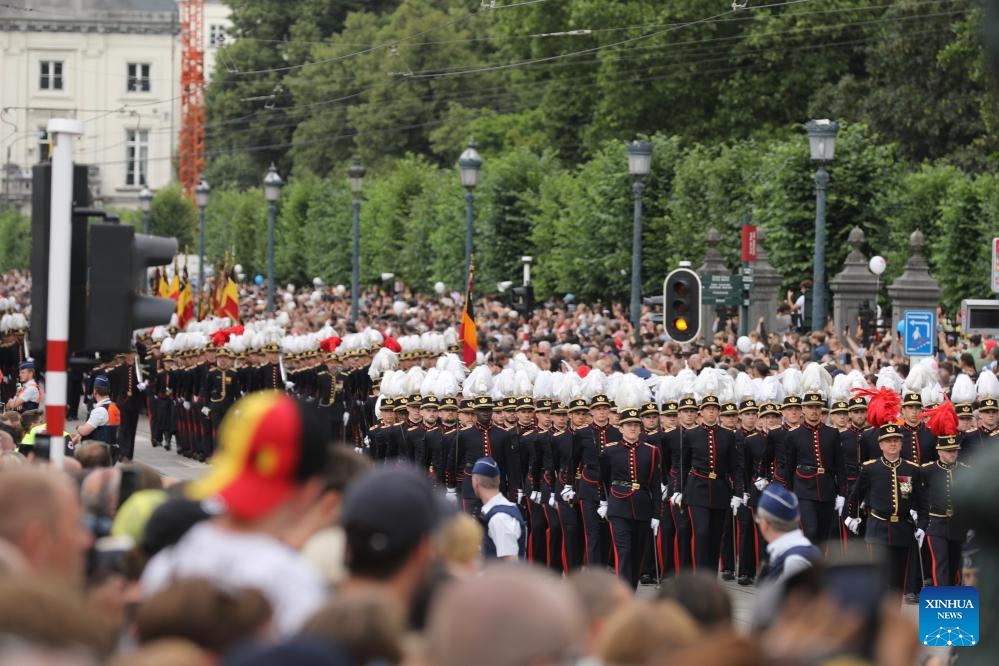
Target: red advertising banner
749 242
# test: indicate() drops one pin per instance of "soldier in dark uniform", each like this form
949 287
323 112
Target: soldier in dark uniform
944 533
729 419
815 471
777 439
129 398
630 473
676 540
418 435
652 435
986 435
547 480
587 445
714 484
326 394
919 446
203 422
891 487
752 443
531 458
851 443
480 440
440 440
219 392
269 373
564 457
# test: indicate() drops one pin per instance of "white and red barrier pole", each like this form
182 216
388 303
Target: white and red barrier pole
63 132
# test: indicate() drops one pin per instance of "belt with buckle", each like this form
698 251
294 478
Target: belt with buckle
890 519
626 484
949 514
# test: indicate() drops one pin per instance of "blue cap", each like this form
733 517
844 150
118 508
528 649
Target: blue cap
102 382
27 365
780 503
486 467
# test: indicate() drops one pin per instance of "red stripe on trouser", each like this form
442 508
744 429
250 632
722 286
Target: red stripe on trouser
933 559
617 559
565 554
586 534
676 541
693 548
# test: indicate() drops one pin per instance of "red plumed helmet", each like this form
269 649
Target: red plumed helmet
883 406
392 344
942 419
330 344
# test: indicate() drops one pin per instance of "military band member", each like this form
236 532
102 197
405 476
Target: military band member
986 436
778 438
890 487
440 440
220 391
944 534
677 538
587 444
729 419
130 397
481 440
651 434
752 442
919 446
544 447
630 473
563 449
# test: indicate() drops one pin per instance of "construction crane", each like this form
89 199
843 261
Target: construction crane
191 153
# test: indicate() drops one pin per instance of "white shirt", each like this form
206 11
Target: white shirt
504 530
794 563
99 414
29 391
242 559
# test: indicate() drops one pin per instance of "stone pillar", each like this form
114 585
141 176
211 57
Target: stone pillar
764 295
914 289
853 286
713 265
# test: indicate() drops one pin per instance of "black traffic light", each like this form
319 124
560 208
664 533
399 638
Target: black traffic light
522 300
682 305
118 261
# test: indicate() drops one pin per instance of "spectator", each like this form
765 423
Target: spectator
366 626
460 545
508 616
702 597
93 454
602 594
263 503
166 652
639 631
41 517
389 517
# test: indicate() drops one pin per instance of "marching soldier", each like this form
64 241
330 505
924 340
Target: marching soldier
440 440
986 435
675 541
481 440
128 395
778 438
428 423
326 392
752 442
220 391
563 435
814 470
544 448
919 446
714 483
630 473
729 419
944 534
588 442
890 487
652 435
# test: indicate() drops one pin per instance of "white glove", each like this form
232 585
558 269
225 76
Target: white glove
602 509
551 500
676 499
289 386
852 524
367 441
142 386
920 535
913 515
358 450
536 496
745 499
840 501
735 503
655 527
568 494
207 412
761 483
665 490
346 418
451 495
187 405
520 496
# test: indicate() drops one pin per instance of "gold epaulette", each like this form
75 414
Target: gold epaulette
870 462
466 427
929 464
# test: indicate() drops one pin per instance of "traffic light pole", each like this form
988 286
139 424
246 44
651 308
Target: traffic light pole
63 132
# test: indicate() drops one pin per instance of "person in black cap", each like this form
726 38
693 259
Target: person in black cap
219 391
919 446
588 442
506 531
630 473
479 441
944 533
714 484
565 485
890 487
129 394
986 436
674 539
814 470
104 419
28 396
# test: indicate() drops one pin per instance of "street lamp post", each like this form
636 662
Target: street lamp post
639 165
201 193
822 144
469 164
356 175
272 190
145 205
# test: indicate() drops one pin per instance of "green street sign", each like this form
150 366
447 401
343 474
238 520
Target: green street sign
721 290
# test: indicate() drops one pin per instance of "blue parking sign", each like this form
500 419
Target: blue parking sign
919 329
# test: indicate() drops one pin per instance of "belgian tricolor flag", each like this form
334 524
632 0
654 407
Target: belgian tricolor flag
467 333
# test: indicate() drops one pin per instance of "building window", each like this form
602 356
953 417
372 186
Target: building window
51 75
216 35
136 157
44 147
138 77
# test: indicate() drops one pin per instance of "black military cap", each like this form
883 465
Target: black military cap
670 408
687 403
857 403
629 415
791 401
600 400
525 402
387 404
988 405
430 401
840 407
482 402
560 408
813 399
543 405
912 400
965 410
889 431
709 401
769 409
748 406
730 409
649 409
449 402
578 405
948 443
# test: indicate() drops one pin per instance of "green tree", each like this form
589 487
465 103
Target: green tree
171 214
15 229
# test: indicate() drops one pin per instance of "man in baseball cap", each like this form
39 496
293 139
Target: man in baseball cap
266 476
779 516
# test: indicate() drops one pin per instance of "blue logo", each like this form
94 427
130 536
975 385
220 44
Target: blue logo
948 616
